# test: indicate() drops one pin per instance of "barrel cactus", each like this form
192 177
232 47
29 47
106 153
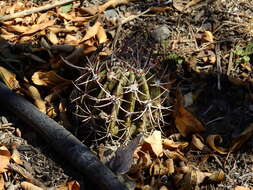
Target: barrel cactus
119 100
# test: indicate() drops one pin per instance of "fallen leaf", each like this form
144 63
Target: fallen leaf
92 10
212 56
5 156
208 36
185 122
91 31
197 141
52 38
29 186
153 144
70 185
16 156
9 79
170 144
73 185
169 163
72 40
17 28
163 188
242 188
112 3
63 115
211 141
101 35
1 182
35 95
217 176
195 177
192 3
50 79
122 161
243 137
38 27
177 156
157 168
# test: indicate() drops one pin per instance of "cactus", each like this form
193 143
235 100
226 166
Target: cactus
120 100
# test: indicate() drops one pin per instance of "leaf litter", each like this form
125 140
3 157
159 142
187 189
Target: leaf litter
65 35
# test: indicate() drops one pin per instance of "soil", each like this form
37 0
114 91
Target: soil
222 89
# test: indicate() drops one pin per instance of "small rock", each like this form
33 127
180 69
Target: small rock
4 120
111 16
161 33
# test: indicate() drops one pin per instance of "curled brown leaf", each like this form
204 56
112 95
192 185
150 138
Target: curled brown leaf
212 140
185 122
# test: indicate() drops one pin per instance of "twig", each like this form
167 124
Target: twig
65 144
35 10
219 69
230 63
124 21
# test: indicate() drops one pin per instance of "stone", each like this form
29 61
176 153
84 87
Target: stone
112 16
161 33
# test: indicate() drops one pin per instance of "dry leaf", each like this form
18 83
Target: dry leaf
243 137
16 156
170 144
192 3
35 95
112 3
212 56
50 79
98 9
29 186
242 188
38 27
211 141
122 161
101 35
9 79
169 163
153 143
208 36
70 185
51 112
1 182
185 122
91 31
217 176
163 188
73 185
5 156
177 156
17 28
52 38
197 141
157 168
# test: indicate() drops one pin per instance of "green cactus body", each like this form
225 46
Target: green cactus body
122 101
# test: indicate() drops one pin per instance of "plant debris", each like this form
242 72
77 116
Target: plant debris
160 91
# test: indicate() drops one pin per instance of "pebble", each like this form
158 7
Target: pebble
4 120
161 33
111 16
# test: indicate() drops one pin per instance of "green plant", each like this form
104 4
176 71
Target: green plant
244 54
120 100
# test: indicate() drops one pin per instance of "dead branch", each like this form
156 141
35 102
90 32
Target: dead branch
34 10
64 143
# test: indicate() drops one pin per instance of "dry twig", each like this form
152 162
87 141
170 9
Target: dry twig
34 10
